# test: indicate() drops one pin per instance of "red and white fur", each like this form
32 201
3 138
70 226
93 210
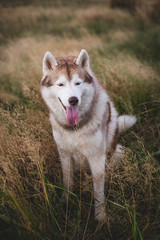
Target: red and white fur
84 120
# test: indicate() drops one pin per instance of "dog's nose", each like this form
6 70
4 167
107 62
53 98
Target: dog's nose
73 101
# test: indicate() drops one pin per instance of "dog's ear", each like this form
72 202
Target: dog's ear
49 62
83 60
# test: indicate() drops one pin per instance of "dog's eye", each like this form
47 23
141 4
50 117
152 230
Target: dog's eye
78 83
60 84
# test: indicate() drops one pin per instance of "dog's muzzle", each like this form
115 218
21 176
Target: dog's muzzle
71 112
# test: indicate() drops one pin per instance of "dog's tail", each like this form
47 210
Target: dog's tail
125 122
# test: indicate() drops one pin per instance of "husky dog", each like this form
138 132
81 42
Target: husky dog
85 122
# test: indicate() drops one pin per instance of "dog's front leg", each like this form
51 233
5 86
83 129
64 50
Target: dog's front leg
67 169
97 165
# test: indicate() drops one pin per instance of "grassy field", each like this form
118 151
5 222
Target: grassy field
124 51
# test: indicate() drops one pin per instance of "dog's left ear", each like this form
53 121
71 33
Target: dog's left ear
83 60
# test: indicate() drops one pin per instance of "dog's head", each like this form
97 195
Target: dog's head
67 86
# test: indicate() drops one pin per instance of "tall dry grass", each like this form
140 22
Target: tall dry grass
32 205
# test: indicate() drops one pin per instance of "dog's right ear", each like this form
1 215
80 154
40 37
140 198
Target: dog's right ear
49 62
83 60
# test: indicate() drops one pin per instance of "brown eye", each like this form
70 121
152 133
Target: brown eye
78 83
60 84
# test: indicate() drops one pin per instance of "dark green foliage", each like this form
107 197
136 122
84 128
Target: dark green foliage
145 45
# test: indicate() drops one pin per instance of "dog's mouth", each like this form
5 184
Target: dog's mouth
71 114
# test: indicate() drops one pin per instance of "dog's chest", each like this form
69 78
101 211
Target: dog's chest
79 141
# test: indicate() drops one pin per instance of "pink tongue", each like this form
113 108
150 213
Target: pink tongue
72 116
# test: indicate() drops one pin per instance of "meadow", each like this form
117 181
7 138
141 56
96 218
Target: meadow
124 49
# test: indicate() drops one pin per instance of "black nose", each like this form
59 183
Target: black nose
73 101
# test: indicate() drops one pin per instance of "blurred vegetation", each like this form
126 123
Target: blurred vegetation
47 3
124 53
145 45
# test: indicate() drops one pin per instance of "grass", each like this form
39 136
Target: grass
123 51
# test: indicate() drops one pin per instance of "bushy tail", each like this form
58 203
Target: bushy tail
125 122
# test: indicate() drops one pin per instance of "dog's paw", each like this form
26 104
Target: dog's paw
101 217
117 158
65 196
100 213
